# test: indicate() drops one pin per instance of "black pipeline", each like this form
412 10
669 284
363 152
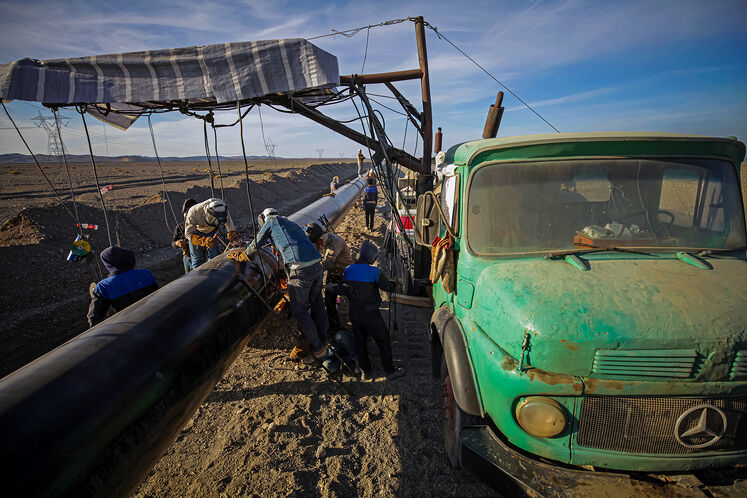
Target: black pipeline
94 415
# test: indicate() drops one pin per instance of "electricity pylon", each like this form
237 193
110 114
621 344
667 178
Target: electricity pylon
47 123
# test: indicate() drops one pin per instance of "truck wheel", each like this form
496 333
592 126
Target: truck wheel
454 419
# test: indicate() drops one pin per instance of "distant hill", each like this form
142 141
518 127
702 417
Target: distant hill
80 158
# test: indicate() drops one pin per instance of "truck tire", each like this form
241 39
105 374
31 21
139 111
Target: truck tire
454 419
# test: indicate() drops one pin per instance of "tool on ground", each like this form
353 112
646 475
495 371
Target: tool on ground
79 249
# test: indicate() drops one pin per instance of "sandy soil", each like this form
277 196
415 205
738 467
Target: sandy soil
45 297
272 427
268 428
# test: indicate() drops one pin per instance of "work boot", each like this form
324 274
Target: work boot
322 353
309 360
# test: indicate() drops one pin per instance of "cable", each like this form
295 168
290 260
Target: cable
349 33
82 112
217 160
246 166
365 54
67 168
37 163
441 35
163 180
387 107
207 154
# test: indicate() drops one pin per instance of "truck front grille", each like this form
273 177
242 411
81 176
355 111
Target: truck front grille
629 363
739 367
647 424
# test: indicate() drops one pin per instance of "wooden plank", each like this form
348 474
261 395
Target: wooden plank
423 302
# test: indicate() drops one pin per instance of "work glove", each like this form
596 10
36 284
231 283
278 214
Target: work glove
237 255
204 241
234 240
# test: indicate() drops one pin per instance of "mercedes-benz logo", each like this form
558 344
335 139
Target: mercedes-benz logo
710 423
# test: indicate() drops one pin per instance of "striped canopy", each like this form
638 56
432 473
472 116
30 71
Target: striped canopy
211 74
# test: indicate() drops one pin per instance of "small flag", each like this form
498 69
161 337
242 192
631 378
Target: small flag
88 226
106 189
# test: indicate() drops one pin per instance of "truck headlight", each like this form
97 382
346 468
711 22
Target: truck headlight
541 417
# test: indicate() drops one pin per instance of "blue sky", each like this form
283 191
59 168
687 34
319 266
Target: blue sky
671 66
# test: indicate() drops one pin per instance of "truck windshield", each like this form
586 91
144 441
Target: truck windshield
653 203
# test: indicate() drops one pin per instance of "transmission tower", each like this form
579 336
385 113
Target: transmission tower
320 152
47 123
270 147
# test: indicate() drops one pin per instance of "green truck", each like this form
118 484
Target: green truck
590 326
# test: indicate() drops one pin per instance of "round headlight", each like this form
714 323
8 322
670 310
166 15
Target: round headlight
541 417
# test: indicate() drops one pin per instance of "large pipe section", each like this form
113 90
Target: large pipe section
94 415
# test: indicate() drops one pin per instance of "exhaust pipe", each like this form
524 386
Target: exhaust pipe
93 416
493 121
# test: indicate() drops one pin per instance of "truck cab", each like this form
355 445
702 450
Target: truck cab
594 325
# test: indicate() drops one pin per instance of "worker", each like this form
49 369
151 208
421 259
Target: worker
361 283
334 184
370 199
179 240
303 266
124 285
201 228
335 258
360 161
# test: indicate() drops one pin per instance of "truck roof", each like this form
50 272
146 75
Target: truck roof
607 144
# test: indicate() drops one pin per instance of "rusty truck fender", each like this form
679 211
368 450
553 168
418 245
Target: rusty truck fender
446 336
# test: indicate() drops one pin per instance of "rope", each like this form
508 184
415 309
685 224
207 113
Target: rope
441 35
248 191
381 173
163 180
67 168
82 112
365 54
217 160
207 154
37 162
246 167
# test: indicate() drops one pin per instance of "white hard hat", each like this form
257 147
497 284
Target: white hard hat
265 214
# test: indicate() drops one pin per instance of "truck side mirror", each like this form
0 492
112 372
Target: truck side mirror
427 220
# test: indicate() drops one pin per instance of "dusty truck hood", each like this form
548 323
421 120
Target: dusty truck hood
631 307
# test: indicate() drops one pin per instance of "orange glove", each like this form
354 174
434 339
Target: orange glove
237 255
232 236
201 240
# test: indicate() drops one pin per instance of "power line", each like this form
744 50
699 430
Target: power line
441 35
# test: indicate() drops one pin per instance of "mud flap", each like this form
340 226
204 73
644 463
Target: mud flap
457 361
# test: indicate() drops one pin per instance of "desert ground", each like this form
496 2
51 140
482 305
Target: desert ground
269 427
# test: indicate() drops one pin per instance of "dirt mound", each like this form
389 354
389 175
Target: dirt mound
153 199
20 230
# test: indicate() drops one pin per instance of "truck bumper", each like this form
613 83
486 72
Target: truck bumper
514 473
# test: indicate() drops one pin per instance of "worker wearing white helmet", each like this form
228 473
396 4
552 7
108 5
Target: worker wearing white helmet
201 229
303 266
